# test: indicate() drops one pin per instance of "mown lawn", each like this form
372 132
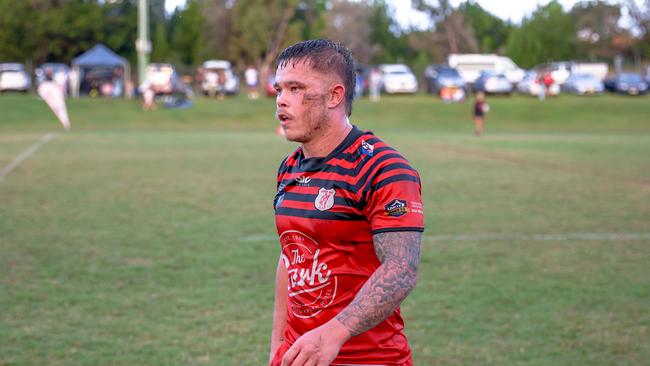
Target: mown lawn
148 238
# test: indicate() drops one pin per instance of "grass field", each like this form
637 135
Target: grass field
148 238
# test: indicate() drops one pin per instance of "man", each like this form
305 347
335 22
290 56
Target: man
349 214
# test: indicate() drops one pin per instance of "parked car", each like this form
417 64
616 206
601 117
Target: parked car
583 84
398 78
164 79
491 82
442 76
531 85
627 83
214 70
14 77
60 73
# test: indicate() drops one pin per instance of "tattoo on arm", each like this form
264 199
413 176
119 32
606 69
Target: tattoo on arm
399 254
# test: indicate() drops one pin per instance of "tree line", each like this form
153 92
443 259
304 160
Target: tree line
252 32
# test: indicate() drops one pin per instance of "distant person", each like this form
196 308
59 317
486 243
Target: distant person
548 83
148 94
480 109
542 86
61 80
221 84
52 94
74 82
252 82
374 84
118 83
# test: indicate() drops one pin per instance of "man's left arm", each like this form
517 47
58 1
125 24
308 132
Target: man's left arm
379 297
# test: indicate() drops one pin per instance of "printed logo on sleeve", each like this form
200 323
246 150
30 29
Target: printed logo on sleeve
396 208
279 197
367 149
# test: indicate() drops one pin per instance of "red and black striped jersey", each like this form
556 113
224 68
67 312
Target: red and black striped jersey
326 212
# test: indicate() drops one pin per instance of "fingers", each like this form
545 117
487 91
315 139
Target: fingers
291 354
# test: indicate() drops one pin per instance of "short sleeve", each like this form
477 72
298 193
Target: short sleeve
394 202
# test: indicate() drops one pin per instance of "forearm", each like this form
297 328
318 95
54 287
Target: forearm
399 254
378 298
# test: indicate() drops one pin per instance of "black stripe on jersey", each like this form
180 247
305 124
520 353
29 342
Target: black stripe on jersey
340 201
393 179
322 215
397 229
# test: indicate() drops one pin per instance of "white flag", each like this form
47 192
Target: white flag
53 96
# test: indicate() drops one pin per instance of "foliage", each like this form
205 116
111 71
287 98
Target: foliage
491 31
255 31
547 35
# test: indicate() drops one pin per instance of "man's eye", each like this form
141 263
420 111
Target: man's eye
294 89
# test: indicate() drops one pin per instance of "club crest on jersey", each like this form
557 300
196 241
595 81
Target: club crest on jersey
303 181
367 149
325 199
396 208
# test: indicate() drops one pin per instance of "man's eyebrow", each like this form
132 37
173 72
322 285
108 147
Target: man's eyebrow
290 83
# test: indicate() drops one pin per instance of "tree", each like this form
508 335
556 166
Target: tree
218 28
348 23
386 34
491 31
597 26
454 33
261 29
187 34
549 34
641 17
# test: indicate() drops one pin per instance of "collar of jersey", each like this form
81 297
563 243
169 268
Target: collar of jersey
316 164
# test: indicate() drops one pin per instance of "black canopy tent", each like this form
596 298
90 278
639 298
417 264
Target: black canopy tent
99 59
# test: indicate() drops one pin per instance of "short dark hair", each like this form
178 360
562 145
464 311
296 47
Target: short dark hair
324 56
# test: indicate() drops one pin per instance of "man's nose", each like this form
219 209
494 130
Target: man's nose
281 101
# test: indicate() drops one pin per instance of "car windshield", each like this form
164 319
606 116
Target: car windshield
584 77
396 72
630 78
11 67
452 73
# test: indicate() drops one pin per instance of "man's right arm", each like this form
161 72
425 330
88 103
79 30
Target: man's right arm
279 309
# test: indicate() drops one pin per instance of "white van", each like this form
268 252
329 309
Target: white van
470 66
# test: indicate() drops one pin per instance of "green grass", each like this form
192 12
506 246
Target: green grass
148 238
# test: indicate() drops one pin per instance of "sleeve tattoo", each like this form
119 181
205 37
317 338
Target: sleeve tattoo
399 254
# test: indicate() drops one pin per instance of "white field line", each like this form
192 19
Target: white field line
511 237
25 155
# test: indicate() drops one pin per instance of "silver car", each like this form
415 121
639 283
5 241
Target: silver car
491 82
583 84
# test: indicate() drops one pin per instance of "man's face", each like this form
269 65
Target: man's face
301 102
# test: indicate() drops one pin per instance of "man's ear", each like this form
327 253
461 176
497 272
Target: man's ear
336 96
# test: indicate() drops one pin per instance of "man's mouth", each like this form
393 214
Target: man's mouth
283 117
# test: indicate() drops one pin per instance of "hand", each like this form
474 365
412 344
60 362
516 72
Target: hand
317 347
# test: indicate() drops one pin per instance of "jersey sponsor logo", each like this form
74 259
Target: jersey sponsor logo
303 181
367 149
311 285
396 208
325 199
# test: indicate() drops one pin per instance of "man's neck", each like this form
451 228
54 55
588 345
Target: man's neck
324 144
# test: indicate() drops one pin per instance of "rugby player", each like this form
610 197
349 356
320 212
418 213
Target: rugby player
349 216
